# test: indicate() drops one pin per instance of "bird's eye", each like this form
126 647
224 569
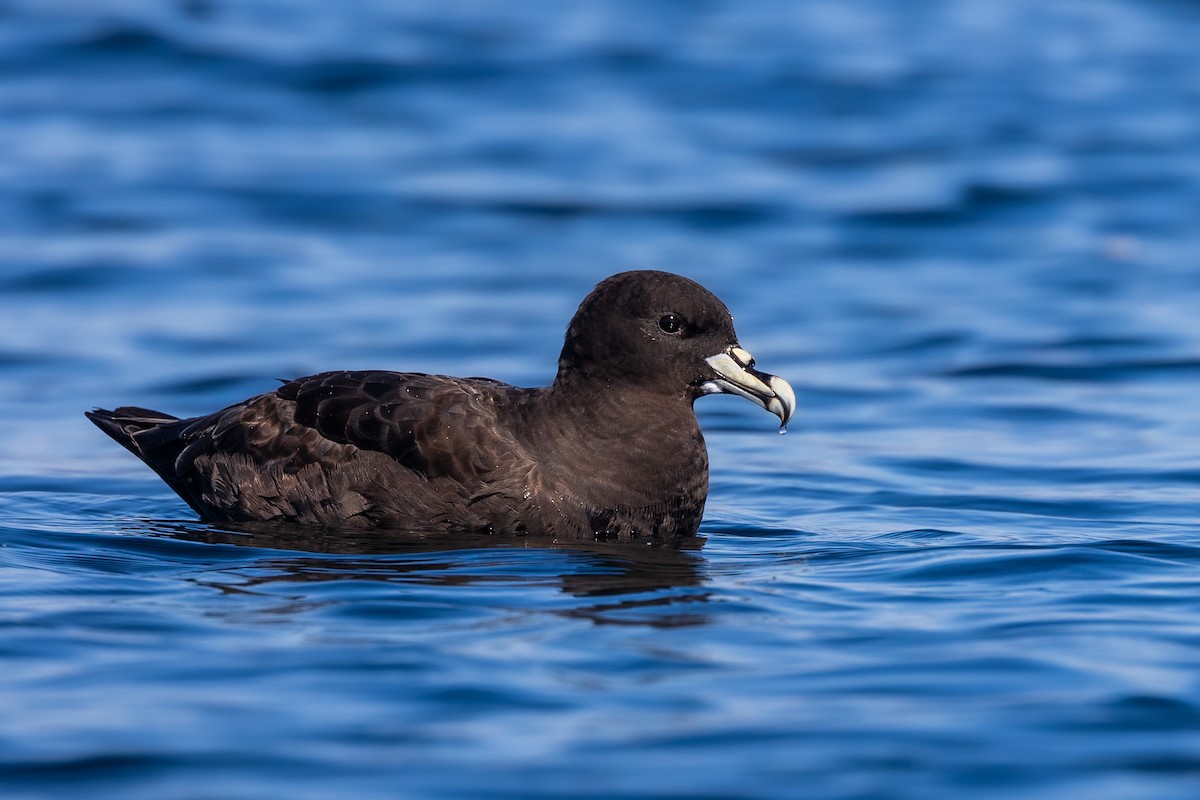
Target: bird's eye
671 323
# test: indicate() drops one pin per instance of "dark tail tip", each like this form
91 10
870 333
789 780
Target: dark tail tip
112 424
104 419
122 423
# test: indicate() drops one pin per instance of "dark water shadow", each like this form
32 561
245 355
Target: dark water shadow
636 582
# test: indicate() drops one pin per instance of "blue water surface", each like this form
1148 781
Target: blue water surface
968 233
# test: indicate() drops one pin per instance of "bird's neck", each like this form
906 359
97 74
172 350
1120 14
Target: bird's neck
635 445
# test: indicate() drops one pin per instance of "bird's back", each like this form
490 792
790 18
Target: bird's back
347 449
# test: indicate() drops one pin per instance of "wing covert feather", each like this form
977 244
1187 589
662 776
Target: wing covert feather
433 424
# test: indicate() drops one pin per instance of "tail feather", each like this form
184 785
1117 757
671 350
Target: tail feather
141 431
139 413
125 423
152 436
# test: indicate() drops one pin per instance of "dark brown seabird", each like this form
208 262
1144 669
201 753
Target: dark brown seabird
610 450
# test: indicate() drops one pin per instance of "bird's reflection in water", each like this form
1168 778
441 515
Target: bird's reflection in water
638 583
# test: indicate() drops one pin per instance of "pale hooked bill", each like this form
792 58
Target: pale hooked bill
736 375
